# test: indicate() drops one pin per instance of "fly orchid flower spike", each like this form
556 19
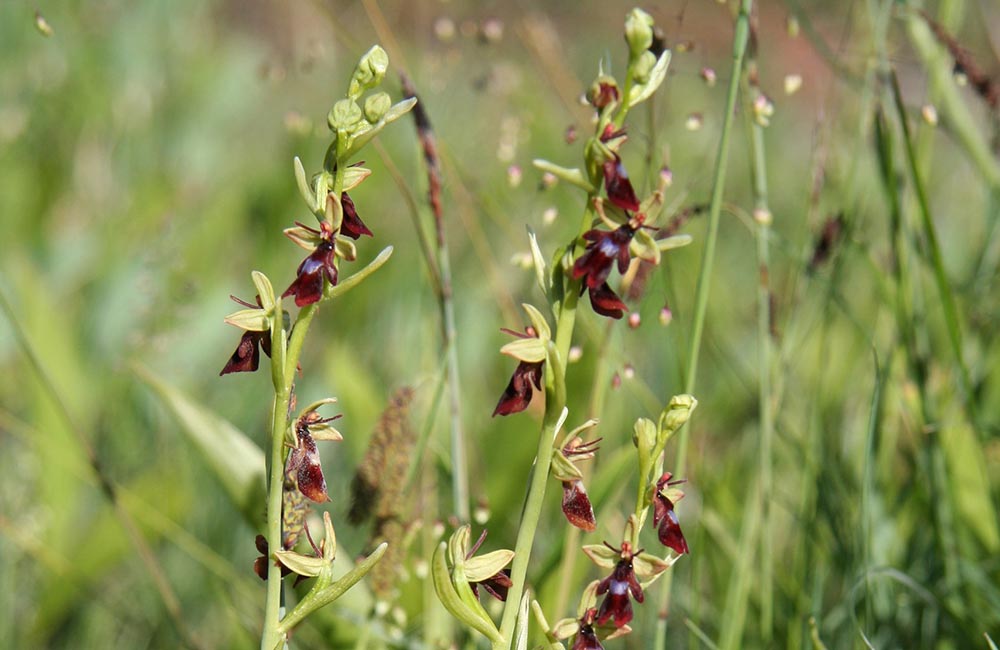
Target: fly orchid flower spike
664 518
303 460
576 504
531 351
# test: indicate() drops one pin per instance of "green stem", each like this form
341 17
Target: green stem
740 37
284 362
762 228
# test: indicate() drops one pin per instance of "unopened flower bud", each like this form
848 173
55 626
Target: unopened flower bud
514 175
930 114
344 115
638 31
666 315
634 320
370 71
643 67
694 122
603 91
792 83
376 106
678 412
708 75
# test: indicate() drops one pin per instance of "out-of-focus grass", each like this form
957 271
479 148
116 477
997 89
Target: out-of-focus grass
145 168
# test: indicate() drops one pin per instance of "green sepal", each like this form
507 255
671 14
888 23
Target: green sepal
252 320
602 556
538 322
588 598
563 468
647 566
353 176
481 567
303 565
451 600
345 248
565 628
632 527
571 175
334 214
643 91
300 179
531 350
303 237
644 247
677 241
355 279
264 290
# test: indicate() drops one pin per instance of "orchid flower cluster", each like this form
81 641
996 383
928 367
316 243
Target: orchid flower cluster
296 474
618 230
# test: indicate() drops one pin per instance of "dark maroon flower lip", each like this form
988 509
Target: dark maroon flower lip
246 358
586 638
618 186
314 269
665 519
576 506
352 226
605 248
606 302
517 395
617 606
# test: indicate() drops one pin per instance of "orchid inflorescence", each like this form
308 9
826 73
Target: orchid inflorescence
296 475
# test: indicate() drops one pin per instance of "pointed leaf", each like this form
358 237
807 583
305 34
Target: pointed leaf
449 597
233 457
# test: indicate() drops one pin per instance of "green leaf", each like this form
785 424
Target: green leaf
232 456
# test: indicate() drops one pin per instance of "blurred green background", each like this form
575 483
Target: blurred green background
145 169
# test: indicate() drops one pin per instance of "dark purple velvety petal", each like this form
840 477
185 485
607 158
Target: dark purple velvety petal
352 226
246 358
577 507
304 461
586 639
606 302
517 395
618 186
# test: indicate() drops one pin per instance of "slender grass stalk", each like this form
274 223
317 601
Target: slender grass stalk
741 35
738 592
949 307
762 233
446 305
107 486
